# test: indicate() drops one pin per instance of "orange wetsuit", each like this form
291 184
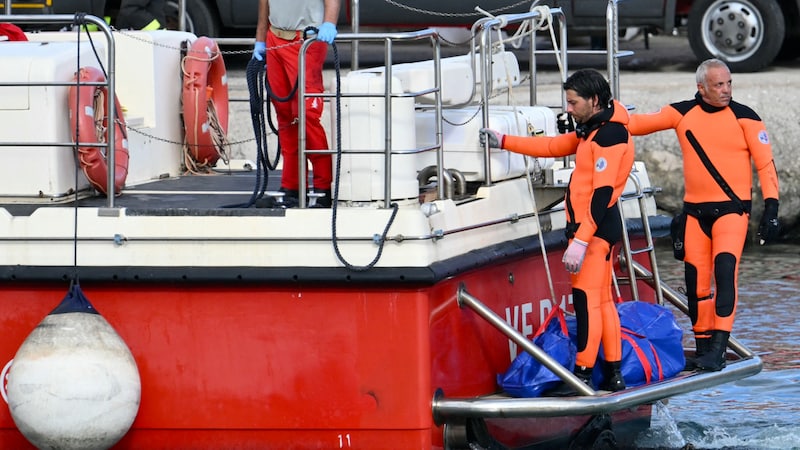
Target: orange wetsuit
716 226
603 161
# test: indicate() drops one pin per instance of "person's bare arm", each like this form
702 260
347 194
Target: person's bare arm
331 11
263 20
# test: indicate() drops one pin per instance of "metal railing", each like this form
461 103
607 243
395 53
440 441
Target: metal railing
109 83
388 39
649 244
486 28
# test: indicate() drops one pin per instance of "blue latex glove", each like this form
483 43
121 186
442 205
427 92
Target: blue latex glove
260 50
327 33
573 257
495 138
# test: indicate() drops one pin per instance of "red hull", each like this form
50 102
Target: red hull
266 366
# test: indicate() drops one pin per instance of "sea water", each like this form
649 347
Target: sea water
760 412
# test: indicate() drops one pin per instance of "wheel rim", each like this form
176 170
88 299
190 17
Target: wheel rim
733 30
172 17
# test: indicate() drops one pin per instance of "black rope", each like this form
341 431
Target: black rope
79 23
335 200
79 20
256 83
255 75
256 71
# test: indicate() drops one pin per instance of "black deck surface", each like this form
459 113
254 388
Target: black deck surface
200 193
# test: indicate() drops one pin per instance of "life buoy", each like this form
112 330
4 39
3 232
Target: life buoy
204 80
92 127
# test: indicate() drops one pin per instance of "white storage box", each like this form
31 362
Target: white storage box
148 84
363 128
463 150
459 82
457 79
38 114
505 70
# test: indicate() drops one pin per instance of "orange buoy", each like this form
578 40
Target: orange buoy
205 100
90 102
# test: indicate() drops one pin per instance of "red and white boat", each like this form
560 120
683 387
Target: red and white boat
380 323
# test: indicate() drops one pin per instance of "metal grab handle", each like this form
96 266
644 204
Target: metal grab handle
464 298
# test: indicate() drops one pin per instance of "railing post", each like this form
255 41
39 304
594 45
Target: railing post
355 23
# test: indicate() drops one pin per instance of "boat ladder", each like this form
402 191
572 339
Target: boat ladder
627 253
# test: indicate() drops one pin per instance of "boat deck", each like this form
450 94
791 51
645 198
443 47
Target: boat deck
218 192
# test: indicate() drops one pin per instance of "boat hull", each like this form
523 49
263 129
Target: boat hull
299 365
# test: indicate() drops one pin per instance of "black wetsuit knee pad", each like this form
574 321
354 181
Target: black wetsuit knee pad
581 307
725 280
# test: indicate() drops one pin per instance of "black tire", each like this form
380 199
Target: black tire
200 19
746 34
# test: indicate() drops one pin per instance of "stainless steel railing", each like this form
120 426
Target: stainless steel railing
110 84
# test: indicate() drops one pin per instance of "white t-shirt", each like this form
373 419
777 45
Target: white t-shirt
296 14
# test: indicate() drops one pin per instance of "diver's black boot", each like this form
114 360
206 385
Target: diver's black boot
565 390
714 359
584 374
612 374
702 344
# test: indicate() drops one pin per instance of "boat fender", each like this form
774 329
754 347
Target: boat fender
73 383
86 103
205 101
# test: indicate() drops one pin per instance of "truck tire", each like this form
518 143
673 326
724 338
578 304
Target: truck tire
746 34
199 18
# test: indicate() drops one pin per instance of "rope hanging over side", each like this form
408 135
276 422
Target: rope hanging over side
379 240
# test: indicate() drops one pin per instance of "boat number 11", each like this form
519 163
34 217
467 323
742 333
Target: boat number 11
344 440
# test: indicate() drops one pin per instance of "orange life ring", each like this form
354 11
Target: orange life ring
204 79
89 101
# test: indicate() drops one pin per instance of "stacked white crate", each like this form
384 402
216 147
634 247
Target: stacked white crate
148 84
460 82
363 129
461 139
38 115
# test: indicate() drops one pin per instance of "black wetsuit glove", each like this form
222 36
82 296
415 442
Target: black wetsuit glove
565 123
770 228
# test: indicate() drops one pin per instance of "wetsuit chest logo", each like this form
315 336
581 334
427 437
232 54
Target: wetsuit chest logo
600 165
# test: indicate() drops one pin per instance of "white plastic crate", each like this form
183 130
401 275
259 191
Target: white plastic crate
363 128
463 150
38 114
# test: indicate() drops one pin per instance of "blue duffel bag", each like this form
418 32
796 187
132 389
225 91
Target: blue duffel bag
527 377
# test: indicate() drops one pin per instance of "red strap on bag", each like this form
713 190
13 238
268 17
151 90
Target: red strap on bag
627 335
555 313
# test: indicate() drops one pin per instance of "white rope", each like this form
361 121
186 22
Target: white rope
217 132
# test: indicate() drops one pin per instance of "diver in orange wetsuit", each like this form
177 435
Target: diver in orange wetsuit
604 153
730 134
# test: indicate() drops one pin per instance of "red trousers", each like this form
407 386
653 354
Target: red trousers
282 70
